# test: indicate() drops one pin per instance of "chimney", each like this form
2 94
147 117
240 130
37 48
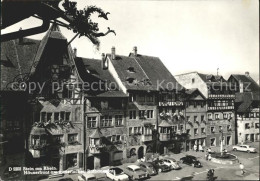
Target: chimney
135 51
113 53
20 38
75 52
247 74
104 63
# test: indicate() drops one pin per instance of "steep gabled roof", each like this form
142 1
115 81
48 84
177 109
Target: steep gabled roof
194 94
16 60
90 70
131 73
247 81
157 73
245 100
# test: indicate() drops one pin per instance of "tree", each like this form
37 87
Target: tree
48 10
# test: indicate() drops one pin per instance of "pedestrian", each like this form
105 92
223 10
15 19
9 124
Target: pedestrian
206 156
209 157
195 147
241 166
209 150
200 148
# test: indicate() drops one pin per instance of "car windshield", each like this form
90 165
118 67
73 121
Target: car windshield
137 169
118 171
92 179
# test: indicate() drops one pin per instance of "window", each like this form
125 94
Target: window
67 91
188 131
71 160
174 128
202 104
252 115
209 116
188 118
195 118
195 104
149 113
141 98
72 138
132 97
67 116
118 120
147 131
202 118
195 131
62 115
149 98
57 138
216 116
230 103
106 121
193 80
49 116
256 125
225 115
44 117
203 131
247 126
56 116
137 130
130 130
181 127
92 122
212 129
141 114
132 114
247 137
257 114
213 142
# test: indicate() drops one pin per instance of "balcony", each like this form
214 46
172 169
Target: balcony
96 149
165 137
145 138
171 103
37 153
221 96
220 108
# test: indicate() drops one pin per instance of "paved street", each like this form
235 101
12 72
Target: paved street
222 172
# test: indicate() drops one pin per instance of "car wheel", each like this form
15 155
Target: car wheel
159 170
235 149
248 151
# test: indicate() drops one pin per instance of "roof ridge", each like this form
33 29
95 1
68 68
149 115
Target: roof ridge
187 73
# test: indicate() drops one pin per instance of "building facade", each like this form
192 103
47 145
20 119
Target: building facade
196 116
220 97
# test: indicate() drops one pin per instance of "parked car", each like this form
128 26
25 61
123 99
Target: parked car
246 148
160 166
93 177
191 160
87 177
117 174
135 173
66 179
148 167
172 163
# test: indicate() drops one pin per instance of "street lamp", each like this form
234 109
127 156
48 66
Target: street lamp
221 143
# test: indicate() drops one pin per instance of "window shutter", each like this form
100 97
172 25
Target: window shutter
80 160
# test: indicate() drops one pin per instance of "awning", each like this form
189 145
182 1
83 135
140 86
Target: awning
165 123
96 134
38 131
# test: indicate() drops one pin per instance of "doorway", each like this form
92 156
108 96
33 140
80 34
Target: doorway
141 152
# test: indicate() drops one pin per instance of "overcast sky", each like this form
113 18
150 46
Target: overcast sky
196 35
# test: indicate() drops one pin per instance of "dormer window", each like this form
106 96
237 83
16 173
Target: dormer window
131 70
130 80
